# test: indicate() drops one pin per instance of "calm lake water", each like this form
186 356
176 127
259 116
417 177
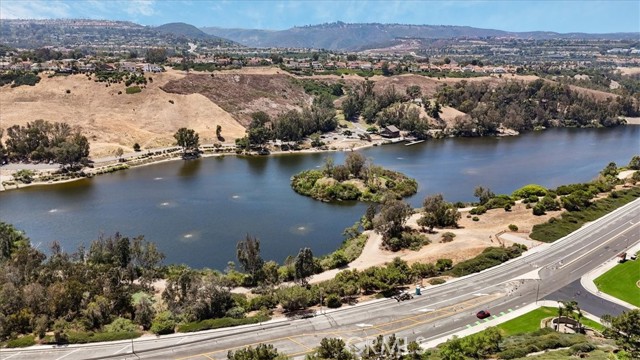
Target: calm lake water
197 210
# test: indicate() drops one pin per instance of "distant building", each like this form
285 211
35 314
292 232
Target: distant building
390 132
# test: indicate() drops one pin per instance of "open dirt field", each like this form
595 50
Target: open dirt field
471 238
110 120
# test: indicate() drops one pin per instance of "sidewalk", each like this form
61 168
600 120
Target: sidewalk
587 280
484 325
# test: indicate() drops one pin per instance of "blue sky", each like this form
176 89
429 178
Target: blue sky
561 16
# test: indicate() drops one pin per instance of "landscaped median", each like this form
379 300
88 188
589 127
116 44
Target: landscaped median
622 282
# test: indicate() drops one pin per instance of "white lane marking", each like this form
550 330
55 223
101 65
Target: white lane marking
181 340
444 301
10 356
597 247
64 356
364 325
124 348
574 270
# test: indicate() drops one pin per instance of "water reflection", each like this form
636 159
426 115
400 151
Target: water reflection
190 168
256 164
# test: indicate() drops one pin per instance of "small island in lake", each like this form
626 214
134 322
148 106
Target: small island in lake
354 180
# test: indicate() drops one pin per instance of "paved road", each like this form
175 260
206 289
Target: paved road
586 300
440 311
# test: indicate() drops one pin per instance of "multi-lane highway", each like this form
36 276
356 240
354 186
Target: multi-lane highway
439 311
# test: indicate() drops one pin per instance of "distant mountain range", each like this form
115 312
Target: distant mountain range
73 33
188 31
344 36
333 36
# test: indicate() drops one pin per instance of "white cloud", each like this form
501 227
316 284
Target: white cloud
140 7
39 9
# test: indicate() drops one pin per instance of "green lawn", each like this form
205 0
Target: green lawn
531 322
528 322
621 281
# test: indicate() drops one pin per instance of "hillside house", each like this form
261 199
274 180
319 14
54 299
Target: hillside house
390 132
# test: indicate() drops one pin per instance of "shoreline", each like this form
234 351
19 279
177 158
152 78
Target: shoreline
108 164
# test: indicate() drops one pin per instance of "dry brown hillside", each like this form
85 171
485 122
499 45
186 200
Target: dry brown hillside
110 120
241 94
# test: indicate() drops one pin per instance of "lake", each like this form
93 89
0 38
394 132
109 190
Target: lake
197 210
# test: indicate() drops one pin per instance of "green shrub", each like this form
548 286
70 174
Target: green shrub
121 325
538 209
163 323
529 190
133 90
220 323
490 257
268 301
556 228
448 237
23 341
80 337
513 353
437 281
333 301
582 348
513 227
533 199
475 218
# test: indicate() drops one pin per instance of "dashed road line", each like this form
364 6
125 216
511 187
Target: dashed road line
65 355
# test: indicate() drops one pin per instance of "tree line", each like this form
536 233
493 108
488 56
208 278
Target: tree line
45 141
388 107
86 290
527 106
292 125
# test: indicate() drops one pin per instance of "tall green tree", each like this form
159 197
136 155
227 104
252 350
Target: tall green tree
304 265
188 139
391 219
625 330
248 254
438 213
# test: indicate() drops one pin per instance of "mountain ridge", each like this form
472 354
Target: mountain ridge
349 36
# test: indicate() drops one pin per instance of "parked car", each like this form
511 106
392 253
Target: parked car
404 296
483 314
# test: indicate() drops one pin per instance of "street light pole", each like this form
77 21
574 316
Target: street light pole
538 292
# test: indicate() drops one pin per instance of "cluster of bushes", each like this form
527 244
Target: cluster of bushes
17 78
518 346
489 257
45 141
112 168
556 228
320 88
344 182
220 323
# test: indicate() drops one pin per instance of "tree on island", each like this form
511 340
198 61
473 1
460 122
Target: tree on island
188 139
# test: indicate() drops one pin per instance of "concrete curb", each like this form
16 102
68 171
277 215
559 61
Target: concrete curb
587 281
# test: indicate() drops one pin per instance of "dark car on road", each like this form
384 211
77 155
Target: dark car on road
483 314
